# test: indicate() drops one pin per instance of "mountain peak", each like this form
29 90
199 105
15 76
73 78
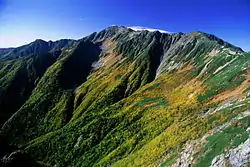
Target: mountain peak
39 41
139 28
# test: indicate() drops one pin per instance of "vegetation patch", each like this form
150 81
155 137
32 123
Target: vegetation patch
149 102
153 86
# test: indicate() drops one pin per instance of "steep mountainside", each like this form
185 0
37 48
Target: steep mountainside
121 97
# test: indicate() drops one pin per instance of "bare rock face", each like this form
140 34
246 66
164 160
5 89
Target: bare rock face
219 160
236 157
240 155
186 158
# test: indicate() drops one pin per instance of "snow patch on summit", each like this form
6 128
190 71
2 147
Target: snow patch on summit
139 28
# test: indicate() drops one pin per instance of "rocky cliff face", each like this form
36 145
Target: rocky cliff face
121 97
235 157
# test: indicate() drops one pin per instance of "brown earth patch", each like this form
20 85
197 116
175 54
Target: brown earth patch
152 104
108 44
110 59
186 68
236 92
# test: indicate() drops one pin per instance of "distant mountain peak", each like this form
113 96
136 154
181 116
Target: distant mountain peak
39 41
139 28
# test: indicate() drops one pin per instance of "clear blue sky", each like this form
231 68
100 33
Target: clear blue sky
22 21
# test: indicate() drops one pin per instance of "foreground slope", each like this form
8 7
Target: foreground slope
133 98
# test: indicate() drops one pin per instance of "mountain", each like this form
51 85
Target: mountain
121 97
37 47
